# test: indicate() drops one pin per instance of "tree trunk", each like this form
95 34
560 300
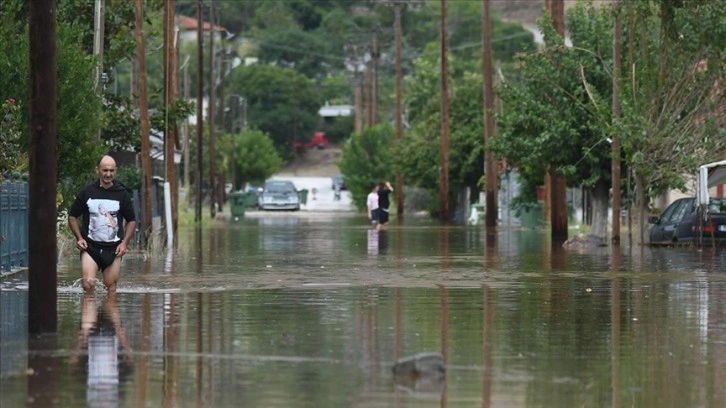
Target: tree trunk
600 198
641 205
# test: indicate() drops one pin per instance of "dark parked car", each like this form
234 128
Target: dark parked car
680 223
279 195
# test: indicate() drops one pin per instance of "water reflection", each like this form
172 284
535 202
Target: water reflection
520 322
102 352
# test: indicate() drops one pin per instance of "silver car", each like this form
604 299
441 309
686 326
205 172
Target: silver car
279 195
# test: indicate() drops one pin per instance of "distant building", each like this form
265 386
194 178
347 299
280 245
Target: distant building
332 111
188 28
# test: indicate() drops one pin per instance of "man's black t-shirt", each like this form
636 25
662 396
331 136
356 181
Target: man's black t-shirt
104 212
383 200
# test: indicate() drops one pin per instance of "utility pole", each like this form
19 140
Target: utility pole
375 55
444 161
200 119
615 176
369 90
42 247
212 105
492 207
170 82
185 132
98 41
558 186
399 113
144 117
358 98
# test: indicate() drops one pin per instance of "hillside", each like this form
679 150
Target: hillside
314 163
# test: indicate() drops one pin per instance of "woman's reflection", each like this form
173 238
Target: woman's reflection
102 351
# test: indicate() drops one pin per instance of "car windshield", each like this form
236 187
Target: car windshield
717 205
279 188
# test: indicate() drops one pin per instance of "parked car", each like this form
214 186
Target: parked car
279 195
338 181
679 223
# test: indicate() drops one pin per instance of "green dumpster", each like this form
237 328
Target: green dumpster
237 205
250 199
531 215
303 196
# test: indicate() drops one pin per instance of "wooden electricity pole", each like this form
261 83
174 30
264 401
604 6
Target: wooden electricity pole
444 161
98 41
144 117
170 94
615 176
212 105
200 119
399 113
492 207
558 185
42 247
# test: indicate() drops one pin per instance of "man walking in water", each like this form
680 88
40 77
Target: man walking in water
104 205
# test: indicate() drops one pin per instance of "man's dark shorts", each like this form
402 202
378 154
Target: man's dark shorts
382 216
104 256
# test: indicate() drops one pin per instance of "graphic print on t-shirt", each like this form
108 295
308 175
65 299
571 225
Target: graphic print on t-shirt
102 220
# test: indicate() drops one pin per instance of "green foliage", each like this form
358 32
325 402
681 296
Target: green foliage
671 109
420 154
130 176
338 129
280 102
368 158
121 127
11 154
255 157
79 107
292 47
556 106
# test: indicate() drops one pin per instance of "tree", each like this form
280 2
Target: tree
280 102
419 155
554 114
254 158
368 159
673 101
78 104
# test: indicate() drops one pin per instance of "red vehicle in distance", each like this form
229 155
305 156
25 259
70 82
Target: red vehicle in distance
318 141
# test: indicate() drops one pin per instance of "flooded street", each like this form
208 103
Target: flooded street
306 310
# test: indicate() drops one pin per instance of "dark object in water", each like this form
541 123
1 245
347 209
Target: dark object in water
419 365
421 373
584 241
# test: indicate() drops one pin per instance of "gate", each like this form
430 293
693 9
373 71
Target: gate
13 223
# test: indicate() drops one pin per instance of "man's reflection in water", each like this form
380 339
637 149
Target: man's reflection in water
107 361
377 242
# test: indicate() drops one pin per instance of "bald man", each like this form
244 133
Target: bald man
103 240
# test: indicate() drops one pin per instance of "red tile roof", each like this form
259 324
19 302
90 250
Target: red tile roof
188 23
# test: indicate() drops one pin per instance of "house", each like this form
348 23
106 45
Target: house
188 28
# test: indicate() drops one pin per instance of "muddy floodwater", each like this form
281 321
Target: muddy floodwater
297 310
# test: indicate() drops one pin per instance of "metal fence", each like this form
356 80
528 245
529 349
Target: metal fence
13 223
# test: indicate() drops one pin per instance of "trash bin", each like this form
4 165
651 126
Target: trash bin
237 205
531 215
303 196
250 199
